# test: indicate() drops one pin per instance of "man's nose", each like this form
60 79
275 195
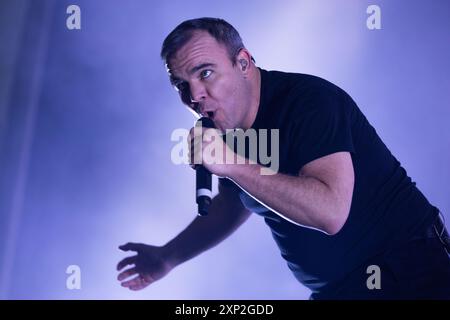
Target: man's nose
198 93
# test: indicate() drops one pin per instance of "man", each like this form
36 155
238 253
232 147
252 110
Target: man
340 203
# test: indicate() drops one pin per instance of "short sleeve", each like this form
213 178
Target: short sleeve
323 128
227 183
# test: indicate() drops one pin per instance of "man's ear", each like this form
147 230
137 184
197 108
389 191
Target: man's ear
244 64
243 60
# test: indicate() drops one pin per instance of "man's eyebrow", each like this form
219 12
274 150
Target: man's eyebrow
174 78
201 66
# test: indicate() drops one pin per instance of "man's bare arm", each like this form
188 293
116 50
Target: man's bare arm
151 263
226 214
319 197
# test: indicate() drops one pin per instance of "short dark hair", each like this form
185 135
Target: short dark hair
221 30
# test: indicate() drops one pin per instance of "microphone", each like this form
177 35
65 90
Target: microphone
203 177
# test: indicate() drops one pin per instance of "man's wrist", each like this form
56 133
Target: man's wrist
169 255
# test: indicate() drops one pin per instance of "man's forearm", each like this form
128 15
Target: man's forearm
205 232
301 199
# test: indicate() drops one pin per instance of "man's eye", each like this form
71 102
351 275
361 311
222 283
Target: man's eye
205 74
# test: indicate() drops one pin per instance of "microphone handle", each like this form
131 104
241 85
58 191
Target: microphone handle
203 179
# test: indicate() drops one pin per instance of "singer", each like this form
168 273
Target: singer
340 202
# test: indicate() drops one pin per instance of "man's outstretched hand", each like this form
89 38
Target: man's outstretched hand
150 264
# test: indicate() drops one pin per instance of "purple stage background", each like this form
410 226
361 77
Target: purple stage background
86 118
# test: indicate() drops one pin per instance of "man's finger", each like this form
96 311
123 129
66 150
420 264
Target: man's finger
138 287
136 281
125 262
191 133
142 284
193 156
131 246
126 274
195 143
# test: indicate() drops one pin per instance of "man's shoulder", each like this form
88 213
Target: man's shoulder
298 79
303 86
303 92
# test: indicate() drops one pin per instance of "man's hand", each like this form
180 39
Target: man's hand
150 264
208 149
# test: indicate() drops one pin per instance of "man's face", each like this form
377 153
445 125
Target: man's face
209 83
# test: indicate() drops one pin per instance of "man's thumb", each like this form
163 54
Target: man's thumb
130 246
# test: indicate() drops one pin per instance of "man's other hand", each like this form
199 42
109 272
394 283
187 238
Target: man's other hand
147 266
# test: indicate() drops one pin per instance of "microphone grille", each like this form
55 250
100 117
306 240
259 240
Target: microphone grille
206 122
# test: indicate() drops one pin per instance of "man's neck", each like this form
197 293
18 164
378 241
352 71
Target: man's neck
255 99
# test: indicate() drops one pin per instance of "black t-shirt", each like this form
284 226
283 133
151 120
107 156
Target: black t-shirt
315 118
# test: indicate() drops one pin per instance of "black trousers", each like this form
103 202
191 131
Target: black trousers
419 269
